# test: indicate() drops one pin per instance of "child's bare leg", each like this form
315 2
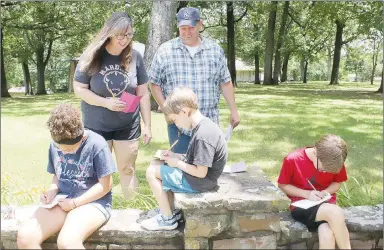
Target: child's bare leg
154 180
80 223
171 199
43 224
334 215
326 237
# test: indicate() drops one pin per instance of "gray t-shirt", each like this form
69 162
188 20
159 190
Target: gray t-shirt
79 171
112 79
206 148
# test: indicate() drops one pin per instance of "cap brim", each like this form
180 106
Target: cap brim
187 23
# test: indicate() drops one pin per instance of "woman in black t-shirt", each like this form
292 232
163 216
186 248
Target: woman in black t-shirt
107 69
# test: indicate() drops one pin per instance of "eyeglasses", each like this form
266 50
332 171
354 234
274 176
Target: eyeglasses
128 35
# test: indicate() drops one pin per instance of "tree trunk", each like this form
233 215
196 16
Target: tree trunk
4 89
280 40
160 30
72 69
40 71
305 71
302 68
181 5
337 52
270 41
257 67
329 61
285 67
380 90
231 42
374 59
27 78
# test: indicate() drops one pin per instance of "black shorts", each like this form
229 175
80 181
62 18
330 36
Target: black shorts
128 134
308 217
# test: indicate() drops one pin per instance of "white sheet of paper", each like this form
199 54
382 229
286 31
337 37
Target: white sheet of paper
235 167
160 154
308 203
54 202
228 133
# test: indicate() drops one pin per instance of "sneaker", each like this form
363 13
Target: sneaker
176 212
159 222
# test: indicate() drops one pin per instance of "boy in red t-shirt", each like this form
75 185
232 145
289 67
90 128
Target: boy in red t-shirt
323 167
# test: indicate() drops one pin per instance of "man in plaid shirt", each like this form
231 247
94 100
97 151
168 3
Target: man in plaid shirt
198 63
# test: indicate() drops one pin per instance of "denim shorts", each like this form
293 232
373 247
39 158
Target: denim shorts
173 179
106 211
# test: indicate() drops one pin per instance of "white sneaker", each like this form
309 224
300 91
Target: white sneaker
158 222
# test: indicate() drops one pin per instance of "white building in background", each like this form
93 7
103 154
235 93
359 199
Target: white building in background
245 73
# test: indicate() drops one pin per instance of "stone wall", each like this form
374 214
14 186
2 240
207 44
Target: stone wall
247 212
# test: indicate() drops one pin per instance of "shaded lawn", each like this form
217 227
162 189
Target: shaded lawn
275 121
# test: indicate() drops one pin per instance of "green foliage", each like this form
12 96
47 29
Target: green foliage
357 193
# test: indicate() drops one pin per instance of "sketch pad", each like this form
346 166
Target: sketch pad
308 203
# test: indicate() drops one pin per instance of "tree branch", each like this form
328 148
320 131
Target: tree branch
243 15
141 17
212 26
49 52
294 20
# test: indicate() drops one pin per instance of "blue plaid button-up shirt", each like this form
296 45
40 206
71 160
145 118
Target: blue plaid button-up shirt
173 66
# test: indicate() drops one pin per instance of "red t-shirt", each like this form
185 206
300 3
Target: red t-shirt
297 168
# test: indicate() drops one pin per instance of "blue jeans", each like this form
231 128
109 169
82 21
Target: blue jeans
173 134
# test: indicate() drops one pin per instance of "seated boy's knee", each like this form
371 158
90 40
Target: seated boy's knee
333 212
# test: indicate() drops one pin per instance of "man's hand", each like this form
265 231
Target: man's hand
314 195
235 119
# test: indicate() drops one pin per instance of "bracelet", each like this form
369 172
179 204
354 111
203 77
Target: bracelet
73 201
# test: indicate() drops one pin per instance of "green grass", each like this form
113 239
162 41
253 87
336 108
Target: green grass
275 121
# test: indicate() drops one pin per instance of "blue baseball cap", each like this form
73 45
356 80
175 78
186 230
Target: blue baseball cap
188 16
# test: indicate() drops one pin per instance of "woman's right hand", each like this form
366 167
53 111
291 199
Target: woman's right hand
114 104
48 196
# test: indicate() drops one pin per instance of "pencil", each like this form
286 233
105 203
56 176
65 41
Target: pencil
173 144
311 184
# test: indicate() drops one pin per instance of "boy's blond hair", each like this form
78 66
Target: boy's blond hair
182 97
332 151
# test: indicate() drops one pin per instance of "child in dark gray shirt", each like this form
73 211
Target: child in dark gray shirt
195 172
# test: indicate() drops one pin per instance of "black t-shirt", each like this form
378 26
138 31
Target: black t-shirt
112 79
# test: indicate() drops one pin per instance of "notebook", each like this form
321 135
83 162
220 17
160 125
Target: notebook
160 154
132 102
308 203
54 202
235 167
228 133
